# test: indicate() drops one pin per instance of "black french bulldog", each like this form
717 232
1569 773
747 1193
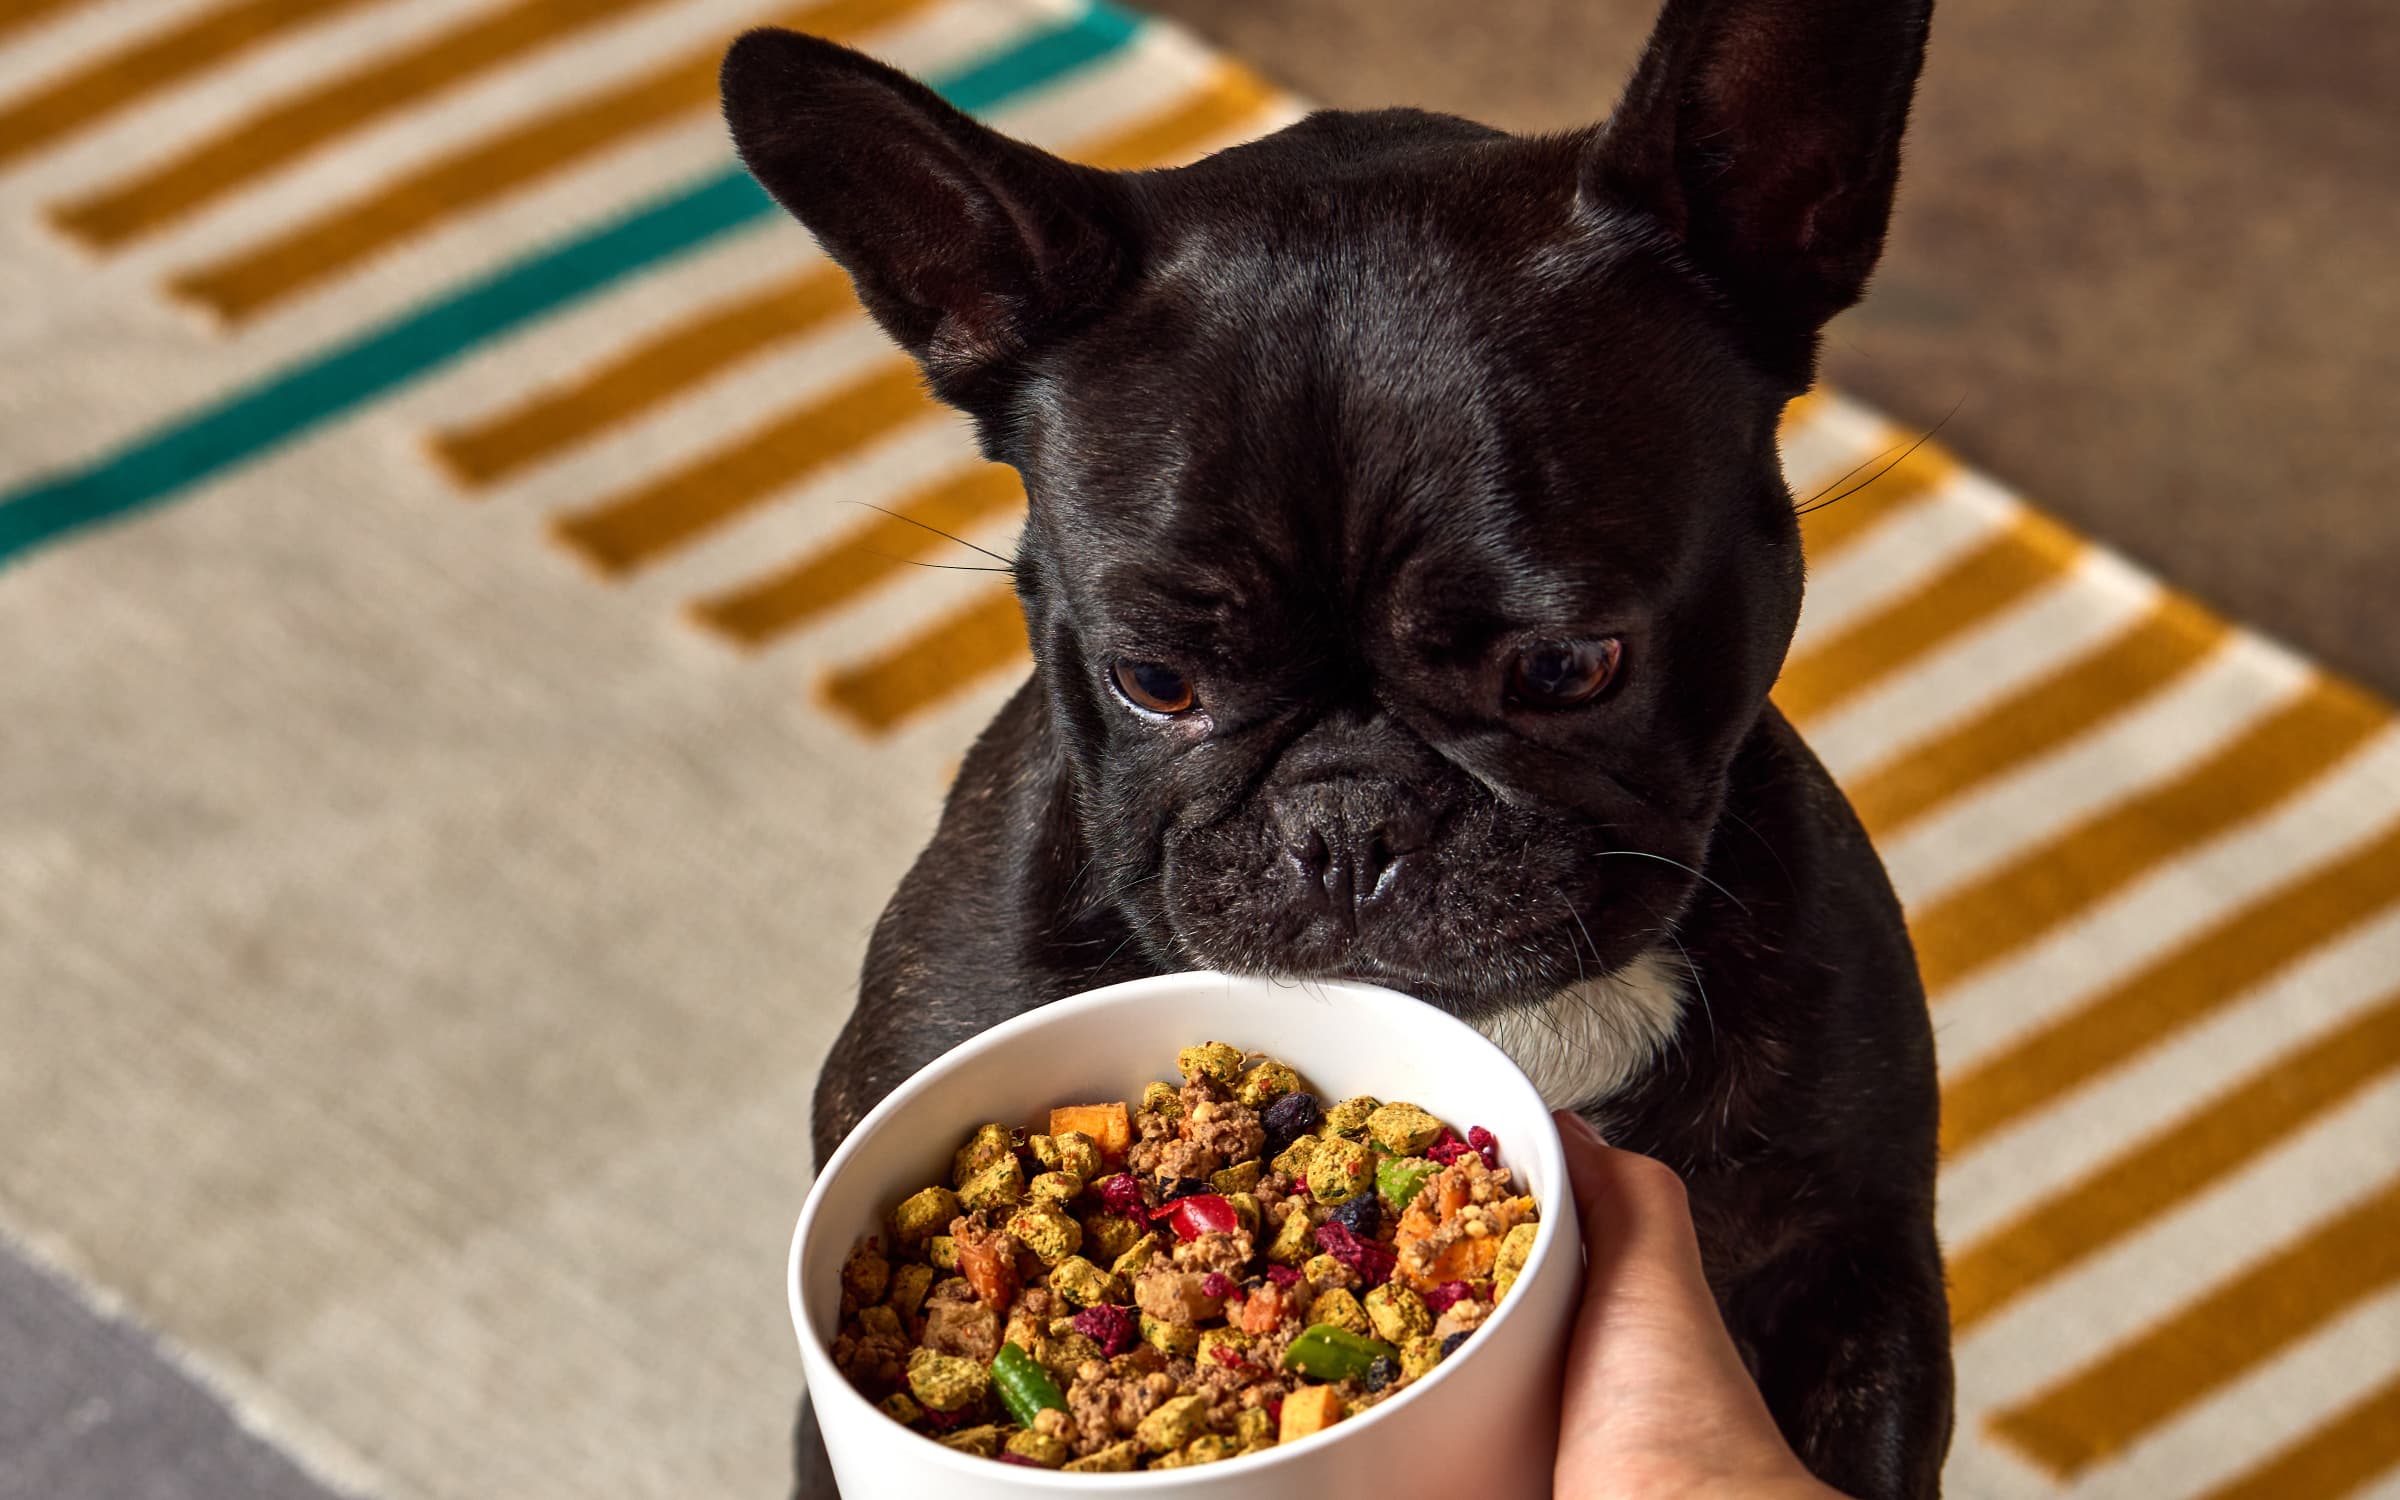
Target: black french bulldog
1407 565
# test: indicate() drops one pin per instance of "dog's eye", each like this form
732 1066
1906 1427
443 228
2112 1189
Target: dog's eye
1561 674
1147 684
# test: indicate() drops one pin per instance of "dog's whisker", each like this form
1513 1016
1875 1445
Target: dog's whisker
1818 505
1752 829
1009 562
1717 885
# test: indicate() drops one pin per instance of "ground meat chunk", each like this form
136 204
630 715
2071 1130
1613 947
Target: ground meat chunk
1228 1253
1175 1296
1107 1403
1212 1121
875 1360
1185 1159
1464 1315
968 1330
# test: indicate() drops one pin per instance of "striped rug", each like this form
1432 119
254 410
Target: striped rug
465 707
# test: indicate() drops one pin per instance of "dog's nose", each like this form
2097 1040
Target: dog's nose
1346 869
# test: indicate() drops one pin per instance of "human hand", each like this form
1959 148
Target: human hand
1657 1404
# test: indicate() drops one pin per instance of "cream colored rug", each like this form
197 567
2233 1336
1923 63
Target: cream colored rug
458 727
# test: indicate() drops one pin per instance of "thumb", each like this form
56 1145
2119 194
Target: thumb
1643 1254
1652 1369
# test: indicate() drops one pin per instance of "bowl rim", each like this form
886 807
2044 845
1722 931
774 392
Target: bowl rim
1557 1199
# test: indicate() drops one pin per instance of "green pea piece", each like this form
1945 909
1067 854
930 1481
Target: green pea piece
1025 1388
1330 1353
1399 1179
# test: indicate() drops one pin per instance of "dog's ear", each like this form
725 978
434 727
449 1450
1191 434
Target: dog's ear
1765 136
968 247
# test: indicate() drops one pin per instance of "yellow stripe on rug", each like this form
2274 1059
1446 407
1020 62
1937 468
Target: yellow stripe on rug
2139 1184
2028 553
290 129
21 14
755 613
2105 1407
2269 762
2339 1458
249 282
2175 636
716 338
619 535
932 665
2174 992
166 60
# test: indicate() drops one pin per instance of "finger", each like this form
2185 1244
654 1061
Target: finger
1637 1224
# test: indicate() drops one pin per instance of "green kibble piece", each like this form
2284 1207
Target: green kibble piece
1398 1313
1331 1352
1000 1185
1025 1388
1241 1177
987 1145
1116 1458
1295 1241
1400 1178
910 1283
901 1407
1419 1355
1162 1099
983 1442
1040 1448
1211 1448
1178 1420
1516 1247
1169 1338
1324 1270
1137 1255
1081 1282
944 1382
1046 1229
1339 1309
1255 1428
1265 1084
1349 1118
923 1215
1403 1129
941 1251
1216 1059
1338 1170
1061 1188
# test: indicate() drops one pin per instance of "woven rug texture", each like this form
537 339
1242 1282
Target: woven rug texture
464 709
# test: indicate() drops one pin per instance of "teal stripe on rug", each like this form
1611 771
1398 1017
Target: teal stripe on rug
173 459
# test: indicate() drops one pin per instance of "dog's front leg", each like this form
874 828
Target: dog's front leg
1854 1359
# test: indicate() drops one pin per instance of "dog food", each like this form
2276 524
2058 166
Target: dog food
1208 1270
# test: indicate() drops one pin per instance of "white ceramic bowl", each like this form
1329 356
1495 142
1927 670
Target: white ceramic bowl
1483 1425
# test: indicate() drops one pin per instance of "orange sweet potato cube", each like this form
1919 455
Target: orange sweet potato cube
1111 1125
1312 1408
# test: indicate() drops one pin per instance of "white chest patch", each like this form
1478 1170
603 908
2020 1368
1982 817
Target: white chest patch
1594 1037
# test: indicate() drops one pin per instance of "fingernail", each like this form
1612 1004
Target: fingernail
1569 1120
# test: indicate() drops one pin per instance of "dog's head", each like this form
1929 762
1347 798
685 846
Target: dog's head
1408 553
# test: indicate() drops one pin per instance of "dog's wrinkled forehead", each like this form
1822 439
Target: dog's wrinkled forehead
1363 383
